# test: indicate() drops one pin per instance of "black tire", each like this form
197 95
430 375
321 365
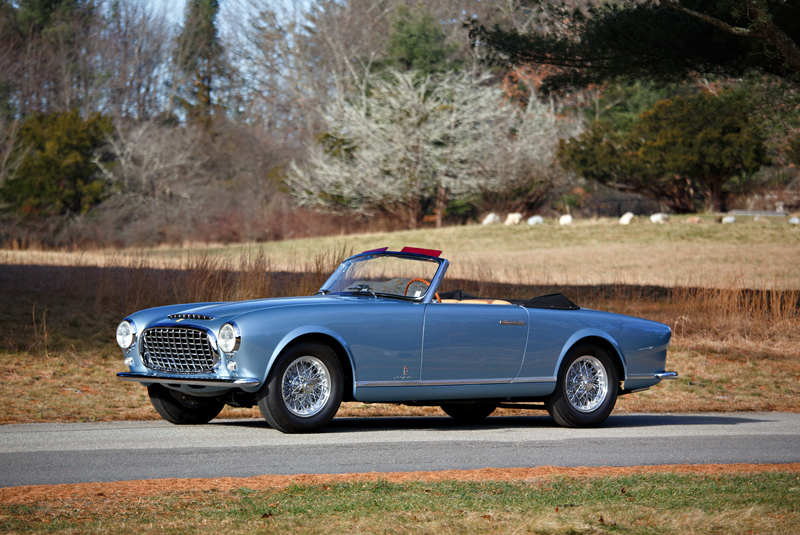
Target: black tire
468 413
181 409
294 411
580 406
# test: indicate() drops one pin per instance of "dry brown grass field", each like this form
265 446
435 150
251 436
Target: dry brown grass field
730 293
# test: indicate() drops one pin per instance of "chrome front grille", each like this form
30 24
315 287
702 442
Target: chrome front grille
178 349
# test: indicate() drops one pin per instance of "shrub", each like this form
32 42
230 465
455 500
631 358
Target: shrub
57 174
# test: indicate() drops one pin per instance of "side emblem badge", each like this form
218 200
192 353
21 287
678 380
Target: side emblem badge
405 370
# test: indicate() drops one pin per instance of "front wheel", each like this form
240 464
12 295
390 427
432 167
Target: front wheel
586 390
182 409
304 389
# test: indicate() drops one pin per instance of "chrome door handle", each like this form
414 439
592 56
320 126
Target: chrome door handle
510 322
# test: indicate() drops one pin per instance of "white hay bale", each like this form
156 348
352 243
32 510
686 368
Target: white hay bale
728 220
794 221
535 220
491 219
565 219
626 218
659 218
513 219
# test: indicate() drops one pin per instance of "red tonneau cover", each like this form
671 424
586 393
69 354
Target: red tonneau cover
416 250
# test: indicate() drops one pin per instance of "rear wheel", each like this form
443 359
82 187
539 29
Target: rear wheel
182 409
468 413
586 390
304 389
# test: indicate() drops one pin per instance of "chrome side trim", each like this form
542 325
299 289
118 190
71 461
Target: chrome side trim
511 322
457 382
368 384
535 380
183 380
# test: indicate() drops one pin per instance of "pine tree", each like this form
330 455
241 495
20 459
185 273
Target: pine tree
199 57
417 42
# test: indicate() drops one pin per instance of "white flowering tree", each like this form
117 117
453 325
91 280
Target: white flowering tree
416 142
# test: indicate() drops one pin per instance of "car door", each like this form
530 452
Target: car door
472 343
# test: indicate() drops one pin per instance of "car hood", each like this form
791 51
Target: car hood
236 308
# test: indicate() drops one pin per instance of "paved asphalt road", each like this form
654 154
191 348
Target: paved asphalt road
33 454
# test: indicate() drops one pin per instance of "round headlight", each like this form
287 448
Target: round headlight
228 338
126 334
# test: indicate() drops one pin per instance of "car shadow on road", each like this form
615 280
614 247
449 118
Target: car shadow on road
382 423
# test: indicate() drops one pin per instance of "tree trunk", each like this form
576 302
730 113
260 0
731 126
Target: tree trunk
716 197
442 196
412 214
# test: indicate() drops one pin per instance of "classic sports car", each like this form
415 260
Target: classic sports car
378 331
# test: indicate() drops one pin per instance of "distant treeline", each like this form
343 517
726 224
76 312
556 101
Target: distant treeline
261 120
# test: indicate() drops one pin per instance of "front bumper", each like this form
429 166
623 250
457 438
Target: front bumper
174 379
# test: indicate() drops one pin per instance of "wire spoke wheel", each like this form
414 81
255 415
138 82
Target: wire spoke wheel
586 387
306 386
586 384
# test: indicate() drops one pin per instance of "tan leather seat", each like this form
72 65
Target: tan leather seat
484 302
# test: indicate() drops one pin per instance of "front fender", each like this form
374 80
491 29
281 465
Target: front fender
306 330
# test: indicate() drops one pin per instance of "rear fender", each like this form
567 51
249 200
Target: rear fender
590 335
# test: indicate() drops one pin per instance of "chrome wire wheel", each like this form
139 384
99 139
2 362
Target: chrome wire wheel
306 386
586 384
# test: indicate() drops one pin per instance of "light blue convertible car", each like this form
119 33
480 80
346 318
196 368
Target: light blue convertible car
378 331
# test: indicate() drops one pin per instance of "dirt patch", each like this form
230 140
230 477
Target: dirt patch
123 490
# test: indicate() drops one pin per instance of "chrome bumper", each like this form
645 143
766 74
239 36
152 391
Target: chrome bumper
171 379
662 375
667 375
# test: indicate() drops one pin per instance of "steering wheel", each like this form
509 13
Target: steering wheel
421 280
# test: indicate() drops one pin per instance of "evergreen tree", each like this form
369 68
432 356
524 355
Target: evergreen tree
417 42
36 16
199 57
682 151
664 40
56 173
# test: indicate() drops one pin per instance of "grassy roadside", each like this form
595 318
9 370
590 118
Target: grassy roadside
653 503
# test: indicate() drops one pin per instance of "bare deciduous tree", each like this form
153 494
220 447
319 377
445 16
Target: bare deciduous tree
137 43
297 56
153 163
9 156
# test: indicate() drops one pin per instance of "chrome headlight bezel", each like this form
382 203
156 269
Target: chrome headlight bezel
126 334
229 338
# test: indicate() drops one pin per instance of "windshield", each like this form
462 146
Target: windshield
393 276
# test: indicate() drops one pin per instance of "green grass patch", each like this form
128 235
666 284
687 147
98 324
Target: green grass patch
651 503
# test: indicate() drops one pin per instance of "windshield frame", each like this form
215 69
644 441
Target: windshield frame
425 298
